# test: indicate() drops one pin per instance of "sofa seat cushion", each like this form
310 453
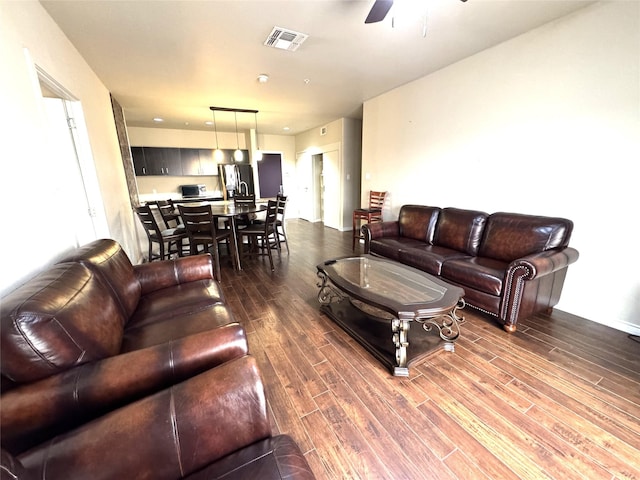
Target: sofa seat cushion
390 246
273 458
483 274
176 301
169 327
63 317
428 258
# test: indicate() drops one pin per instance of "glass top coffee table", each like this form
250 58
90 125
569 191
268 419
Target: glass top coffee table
374 300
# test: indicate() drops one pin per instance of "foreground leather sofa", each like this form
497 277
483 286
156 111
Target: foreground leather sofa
212 426
95 335
510 265
95 332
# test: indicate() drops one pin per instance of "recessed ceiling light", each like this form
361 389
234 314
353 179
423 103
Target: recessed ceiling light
286 129
158 119
263 78
208 122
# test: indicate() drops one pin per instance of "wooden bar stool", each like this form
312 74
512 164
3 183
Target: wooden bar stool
370 215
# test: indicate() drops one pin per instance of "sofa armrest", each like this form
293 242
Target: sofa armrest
55 404
157 275
544 263
371 231
167 435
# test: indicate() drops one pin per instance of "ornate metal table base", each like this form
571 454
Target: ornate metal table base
371 330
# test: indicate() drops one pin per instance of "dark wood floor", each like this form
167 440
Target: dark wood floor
558 399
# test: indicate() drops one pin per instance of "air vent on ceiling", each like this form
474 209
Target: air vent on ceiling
285 39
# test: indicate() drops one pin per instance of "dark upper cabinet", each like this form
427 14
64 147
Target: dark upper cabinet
208 164
190 160
163 161
181 161
139 164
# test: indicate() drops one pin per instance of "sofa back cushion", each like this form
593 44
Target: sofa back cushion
63 317
509 236
107 257
460 230
418 222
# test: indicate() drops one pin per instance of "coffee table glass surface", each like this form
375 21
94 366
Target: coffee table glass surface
404 294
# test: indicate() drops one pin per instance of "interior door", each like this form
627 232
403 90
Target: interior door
70 189
332 199
304 176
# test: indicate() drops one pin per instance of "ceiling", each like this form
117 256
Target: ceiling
174 59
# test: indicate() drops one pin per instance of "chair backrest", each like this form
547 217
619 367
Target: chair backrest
271 215
376 200
249 199
145 214
168 213
282 203
198 220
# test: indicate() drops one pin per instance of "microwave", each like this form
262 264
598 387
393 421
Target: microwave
196 190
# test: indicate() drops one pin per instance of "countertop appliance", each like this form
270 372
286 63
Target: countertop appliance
193 191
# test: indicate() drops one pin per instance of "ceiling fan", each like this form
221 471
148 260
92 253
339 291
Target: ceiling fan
380 9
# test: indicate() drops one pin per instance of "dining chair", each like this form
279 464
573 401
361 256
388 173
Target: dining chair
239 200
169 240
171 217
281 232
169 213
259 235
202 230
371 214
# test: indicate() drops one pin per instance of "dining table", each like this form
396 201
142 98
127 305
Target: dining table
229 210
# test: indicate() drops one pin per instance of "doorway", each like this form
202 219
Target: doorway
76 186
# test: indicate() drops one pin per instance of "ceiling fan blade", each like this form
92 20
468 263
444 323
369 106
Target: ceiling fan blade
379 11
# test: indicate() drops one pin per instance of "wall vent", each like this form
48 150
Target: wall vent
323 131
285 39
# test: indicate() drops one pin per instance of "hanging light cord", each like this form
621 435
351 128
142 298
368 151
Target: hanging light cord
215 128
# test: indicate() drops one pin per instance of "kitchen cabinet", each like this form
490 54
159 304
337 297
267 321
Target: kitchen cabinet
190 161
163 161
139 163
156 161
181 161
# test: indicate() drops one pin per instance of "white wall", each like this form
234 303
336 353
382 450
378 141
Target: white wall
547 123
30 178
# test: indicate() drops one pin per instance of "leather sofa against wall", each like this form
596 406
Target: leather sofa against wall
112 370
510 265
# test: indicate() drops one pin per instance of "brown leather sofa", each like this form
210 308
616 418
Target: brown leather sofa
114 370
510 265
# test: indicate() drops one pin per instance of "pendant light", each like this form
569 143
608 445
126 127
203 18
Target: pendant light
237 155
218 155
258 152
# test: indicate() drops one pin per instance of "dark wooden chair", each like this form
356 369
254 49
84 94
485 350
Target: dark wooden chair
281 231
202 231
369 215
171 217
169 213
239 200
169 240
261 237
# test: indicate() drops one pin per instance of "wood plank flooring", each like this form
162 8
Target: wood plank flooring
559 399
